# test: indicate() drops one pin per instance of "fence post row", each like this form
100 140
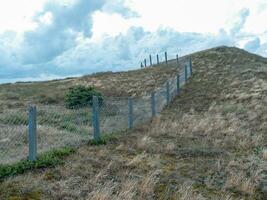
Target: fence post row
32 133
178 83
168 92
150 58
96 118
130 113
153 104
166 57
32 126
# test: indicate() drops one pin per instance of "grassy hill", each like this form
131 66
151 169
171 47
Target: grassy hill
210 143
119 84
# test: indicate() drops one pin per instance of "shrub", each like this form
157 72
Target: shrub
80 96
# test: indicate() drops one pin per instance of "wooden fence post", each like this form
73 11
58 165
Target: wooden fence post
96 118
130 113
32 133
177 60
150 58
158 59
145 62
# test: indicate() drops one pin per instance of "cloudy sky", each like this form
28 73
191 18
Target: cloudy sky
48 39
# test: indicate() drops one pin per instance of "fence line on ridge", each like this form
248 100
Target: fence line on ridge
27 133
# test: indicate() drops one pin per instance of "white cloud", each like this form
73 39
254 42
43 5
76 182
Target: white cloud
57 38
41 77
17 15
124 51
253 45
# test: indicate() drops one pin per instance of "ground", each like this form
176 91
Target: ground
210 143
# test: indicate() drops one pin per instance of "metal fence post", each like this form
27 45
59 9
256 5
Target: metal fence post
158 59
185 73
145 62
32 133
153 104
190 65
166 57
150 58
168 92
178 83
130 113
96 118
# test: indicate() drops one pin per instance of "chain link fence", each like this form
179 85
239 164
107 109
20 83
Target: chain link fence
113 113
13 135
24 133
58 126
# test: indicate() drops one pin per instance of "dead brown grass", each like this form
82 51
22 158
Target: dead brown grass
209 144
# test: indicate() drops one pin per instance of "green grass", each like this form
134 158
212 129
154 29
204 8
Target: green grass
49 159
104 139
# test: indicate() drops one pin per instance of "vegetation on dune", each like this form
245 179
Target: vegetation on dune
210 143
49 159
81 96
105 139
132 83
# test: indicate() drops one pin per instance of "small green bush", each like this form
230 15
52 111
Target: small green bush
80 96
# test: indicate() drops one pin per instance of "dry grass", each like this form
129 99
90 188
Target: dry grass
119 84
264 154
57 127
210 143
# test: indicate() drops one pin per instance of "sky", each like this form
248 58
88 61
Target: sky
52 39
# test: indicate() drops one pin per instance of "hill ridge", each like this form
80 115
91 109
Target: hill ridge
210 143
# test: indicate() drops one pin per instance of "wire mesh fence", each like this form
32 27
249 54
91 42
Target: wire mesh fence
58 126
161 99
113 114
13 135
142 110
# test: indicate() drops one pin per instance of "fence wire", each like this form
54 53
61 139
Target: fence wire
142 110
113 114
173 87
161 100
13 135
58 126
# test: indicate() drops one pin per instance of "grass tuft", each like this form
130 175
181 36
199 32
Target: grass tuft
49 159
104 139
